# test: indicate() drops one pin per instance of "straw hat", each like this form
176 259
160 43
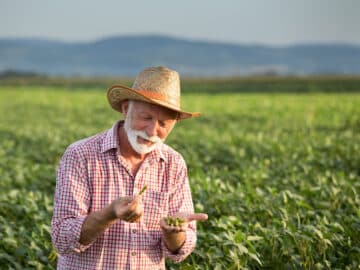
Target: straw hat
157 85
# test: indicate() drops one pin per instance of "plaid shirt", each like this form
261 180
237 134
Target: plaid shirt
91 175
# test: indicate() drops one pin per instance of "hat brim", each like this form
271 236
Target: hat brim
116 94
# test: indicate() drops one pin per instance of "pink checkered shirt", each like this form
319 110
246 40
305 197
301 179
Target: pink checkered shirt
91 175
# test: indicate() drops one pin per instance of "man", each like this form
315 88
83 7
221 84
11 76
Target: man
100 220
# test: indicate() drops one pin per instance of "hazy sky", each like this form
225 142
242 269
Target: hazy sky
275 22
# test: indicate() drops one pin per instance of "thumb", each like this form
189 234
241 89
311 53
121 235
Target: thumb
134 202
197 217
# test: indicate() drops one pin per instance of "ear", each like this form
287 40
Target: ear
125 107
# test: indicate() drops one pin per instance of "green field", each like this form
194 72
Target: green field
278 174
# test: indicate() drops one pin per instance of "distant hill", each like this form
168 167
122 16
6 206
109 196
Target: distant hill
126 55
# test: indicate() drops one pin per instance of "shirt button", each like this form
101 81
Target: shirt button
133 253
133 230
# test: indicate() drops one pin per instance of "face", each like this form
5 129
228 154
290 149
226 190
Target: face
147 125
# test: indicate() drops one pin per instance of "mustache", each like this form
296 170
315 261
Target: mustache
142 134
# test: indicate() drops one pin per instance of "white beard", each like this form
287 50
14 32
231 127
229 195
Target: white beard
133 134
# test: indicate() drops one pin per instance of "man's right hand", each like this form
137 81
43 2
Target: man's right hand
129 208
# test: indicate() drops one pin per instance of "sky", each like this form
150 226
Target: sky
269 22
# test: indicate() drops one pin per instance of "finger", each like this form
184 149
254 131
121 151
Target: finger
164 226
197 217
184 226
124 200
162 223
135 215
127 215
139 214
134 207
132 218
137 219
133 204
136 198
172 229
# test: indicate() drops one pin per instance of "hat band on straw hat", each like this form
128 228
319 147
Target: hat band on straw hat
158 96
154 95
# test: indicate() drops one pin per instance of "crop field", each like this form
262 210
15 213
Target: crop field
277 173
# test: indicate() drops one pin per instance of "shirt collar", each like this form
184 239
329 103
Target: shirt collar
111 138
111 141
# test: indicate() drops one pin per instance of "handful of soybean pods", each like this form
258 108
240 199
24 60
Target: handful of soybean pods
172 221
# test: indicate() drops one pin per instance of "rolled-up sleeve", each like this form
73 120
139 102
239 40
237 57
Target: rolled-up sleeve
180 200
71 203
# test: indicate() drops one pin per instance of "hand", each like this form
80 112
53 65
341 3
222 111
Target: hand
129 208
175 236
186 217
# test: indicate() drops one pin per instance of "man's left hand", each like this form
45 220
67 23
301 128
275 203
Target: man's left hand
174 236
186 218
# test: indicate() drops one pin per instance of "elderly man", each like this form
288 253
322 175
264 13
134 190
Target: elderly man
101 221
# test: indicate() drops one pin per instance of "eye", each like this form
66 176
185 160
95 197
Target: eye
145 117
162 124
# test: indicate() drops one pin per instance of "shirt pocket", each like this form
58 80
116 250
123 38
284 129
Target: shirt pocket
155 205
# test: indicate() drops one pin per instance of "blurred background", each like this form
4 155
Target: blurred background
197 38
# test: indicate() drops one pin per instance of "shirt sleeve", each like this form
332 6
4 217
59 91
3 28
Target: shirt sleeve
180 200
71 204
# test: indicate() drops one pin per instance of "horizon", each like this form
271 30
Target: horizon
125 55
157 35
